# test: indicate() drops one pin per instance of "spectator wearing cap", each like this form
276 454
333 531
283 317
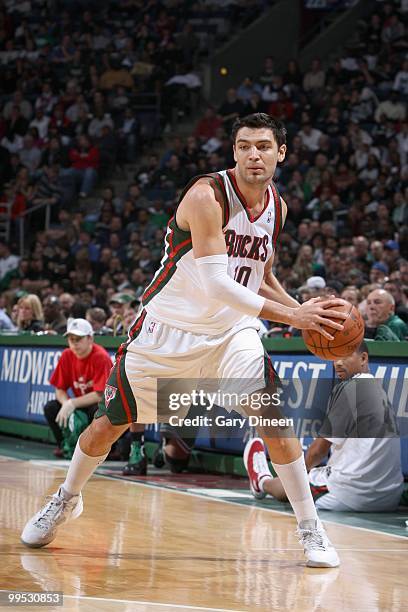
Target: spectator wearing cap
55 321
378 272
391 254
83 369
382 322
314 285
118 305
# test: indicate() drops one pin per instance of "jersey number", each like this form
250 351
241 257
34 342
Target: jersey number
242 275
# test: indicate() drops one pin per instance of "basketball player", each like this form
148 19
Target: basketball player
200 321
363 473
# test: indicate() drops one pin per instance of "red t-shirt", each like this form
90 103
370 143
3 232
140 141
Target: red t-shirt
82 375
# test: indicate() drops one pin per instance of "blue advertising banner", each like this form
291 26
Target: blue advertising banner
24 390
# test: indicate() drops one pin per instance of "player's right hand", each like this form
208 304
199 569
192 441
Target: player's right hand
314 314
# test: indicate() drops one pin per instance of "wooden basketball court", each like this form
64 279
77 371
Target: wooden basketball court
138 547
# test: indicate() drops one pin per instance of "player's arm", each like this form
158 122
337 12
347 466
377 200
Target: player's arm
201 214
273 290
271 287
316 453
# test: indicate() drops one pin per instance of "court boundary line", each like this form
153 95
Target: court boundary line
217 499
145 603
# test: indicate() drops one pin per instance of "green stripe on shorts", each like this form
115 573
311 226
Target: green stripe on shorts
118 403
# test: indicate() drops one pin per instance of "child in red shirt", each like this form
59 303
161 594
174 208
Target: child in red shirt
84 368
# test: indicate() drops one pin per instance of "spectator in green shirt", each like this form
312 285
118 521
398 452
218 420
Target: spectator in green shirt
382 322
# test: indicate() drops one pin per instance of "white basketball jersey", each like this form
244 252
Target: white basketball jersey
175 295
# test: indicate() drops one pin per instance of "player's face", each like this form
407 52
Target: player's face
256 154
346 367
81 346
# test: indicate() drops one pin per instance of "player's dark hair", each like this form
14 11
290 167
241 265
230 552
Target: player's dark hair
261 120
363 348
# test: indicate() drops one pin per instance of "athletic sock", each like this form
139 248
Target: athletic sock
262 479
81 468
295 481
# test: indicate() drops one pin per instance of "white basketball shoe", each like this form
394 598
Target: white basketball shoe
319 551
41 529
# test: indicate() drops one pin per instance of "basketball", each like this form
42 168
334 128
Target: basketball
345 342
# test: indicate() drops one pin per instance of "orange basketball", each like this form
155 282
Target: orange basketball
345 342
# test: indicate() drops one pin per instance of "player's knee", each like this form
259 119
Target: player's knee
101 434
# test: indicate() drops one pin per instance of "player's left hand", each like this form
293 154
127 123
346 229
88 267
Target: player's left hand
67 409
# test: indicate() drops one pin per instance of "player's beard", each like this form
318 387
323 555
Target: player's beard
256 179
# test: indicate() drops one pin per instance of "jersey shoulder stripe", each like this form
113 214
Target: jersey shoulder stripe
278 215
178 242
217 183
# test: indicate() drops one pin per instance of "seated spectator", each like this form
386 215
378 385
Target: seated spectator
378 272
128 136
208 125
8 261
115 75
30 155
401 79
351 294
268 71
6 324
118 305
391 109
41 122
19 102
401 301
314 78
99 121
49 190
97 318
30 317
83 368
363 474
85 163
66 301
247 88
55 321
382 322
310 137
230 109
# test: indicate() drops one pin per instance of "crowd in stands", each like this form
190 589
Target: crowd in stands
68 120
